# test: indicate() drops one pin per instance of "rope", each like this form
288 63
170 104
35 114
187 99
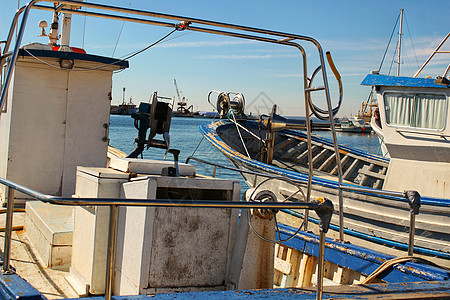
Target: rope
389 263
239 132
201 140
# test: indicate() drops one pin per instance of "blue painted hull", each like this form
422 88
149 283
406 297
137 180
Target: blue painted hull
370 219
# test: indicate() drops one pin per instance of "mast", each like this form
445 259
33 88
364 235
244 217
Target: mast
400 42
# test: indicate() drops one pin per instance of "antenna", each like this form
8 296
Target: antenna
43 24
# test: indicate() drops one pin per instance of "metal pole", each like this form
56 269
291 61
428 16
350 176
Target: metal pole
335 142
413 198
308 134
412 230
400 42
431 56
111 252
8 231
15 52
321 265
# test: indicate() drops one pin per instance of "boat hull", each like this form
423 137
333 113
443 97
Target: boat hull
371 219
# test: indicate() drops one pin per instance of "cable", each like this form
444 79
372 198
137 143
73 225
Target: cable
387 47
149 46
412 45
120 33
105 65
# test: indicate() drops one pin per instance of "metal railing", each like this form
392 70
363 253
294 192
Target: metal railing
413 200
114 203
206 26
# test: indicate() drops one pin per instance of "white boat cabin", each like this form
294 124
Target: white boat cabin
415 125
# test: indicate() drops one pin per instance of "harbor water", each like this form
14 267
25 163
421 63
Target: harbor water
186 137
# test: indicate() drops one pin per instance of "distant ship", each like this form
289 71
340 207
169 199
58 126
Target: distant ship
124 108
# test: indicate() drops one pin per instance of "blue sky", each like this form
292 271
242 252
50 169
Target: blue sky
356 33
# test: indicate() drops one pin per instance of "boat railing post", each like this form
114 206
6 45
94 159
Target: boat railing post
321 265
413 198
214 171
8 231
111 252
325 211
412 229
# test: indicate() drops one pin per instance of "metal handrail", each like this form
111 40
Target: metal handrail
399 130
412 220
431 56
275 37
114 203
225 29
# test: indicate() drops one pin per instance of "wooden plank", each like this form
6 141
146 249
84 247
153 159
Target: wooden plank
343 161
372 174
305 153
283 144
319 156
283 266
379 183
364 176
294 259
295 150
337 276
328 161
350 170
311 263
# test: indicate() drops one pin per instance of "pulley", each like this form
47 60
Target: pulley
230 102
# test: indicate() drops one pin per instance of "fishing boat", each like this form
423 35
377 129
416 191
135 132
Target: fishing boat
97 223
353 125
368 189
124 108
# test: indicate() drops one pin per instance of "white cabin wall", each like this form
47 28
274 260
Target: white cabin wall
54 121
36 137
5 118
87 110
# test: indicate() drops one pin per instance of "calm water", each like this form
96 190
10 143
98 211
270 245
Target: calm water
185 136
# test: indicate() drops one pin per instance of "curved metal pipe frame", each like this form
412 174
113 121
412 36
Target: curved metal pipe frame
114 203
274 37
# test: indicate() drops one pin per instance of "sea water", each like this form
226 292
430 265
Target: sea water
186 137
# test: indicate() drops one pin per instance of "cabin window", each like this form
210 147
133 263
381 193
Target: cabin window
415 110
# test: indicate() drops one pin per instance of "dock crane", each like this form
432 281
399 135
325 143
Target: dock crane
182 103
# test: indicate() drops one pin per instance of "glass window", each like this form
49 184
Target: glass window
415 110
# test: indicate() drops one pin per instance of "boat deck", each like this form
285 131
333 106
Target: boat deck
51 283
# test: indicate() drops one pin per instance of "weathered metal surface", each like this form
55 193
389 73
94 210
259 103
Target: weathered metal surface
363 260
384 80
14 287
411 290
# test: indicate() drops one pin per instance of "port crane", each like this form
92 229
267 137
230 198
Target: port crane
182 102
